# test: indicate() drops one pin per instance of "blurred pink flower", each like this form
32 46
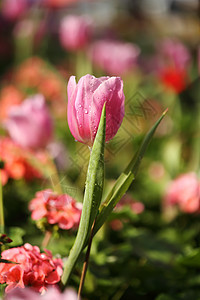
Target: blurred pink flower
116 58
57 209
136 206
51 294
13 9
30 124
75 32
185 192
174 53
85 102
34 269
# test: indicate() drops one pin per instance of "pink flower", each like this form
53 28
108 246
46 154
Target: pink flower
185 192
57 209
136 206
75 32
33 268
13 9
30 124
126 201
175 53
116 58
52 294
85 103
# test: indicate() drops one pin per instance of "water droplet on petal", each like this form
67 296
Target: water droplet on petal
86 111
80 105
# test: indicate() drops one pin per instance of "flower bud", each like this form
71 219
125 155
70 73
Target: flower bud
75 32
85 102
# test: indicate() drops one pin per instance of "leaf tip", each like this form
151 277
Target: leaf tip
165 111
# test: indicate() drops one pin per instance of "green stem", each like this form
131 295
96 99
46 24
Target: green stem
47 238
1 207
85 265
92 198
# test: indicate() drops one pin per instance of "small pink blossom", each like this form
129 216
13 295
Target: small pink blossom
57 209
116 58
33 268
75 32
30 124
135 206
185 192
85 102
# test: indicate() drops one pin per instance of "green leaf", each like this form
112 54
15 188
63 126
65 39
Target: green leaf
16 234
192 259
5 261
125 179
92 197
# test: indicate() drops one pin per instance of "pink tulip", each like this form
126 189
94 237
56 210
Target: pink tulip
30 124
85 102
185 192
175 53
52 294
13 9
114 57
75 32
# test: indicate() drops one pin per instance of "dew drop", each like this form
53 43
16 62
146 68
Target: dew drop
80 105
86 111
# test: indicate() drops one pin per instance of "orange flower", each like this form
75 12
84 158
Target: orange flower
10 96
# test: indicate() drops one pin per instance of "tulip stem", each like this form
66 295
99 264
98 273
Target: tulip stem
1 207
85 265
46 240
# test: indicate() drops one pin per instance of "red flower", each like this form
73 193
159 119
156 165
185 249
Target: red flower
15 160
57 209
174 79
33 268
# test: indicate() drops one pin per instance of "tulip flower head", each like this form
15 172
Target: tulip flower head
75 32
30 124
85 102
14 9
115 57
